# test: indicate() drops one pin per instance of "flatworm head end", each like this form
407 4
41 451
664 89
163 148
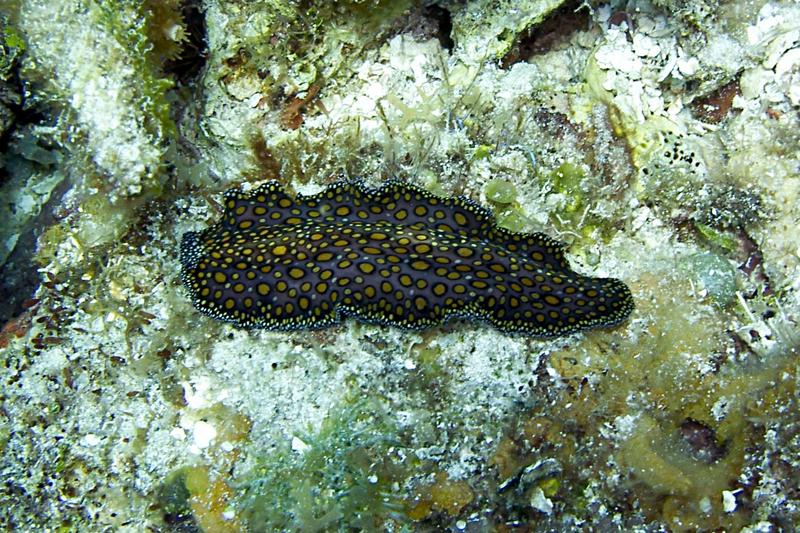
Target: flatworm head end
191 250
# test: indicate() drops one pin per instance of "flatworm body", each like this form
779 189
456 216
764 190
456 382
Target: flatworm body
396 255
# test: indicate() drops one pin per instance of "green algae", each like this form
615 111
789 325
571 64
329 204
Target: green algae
657 457
500 191
12 46
481 152
567 179
719 238
512 219
173 497
680 487
344 473
714 274
578 191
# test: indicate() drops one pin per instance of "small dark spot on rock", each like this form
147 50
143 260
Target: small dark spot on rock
715 106
267 162
241 57
702 441
618 18
752 265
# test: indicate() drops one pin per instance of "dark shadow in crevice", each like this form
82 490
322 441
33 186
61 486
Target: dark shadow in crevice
194 53
444 22
556 29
